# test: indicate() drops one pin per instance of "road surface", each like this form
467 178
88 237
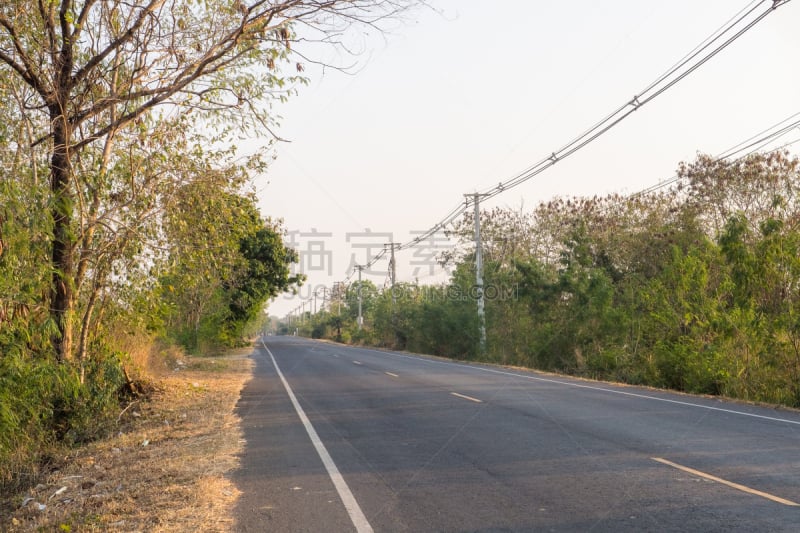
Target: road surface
355 439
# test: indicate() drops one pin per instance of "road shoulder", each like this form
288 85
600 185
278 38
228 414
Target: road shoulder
166 470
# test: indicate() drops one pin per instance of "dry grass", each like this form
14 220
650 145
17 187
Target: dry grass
164 471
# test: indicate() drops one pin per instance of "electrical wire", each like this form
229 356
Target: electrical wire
658 87
439 226
705 44
620 113
749 146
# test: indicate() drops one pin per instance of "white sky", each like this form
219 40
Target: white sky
455 101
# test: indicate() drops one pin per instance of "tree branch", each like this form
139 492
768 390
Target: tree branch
84 14
26 69
118 42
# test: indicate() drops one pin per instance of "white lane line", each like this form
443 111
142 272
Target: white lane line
357 363
391 374
464 396
350 504
731 484
592 387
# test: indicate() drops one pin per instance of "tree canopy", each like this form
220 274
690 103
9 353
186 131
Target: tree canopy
104 93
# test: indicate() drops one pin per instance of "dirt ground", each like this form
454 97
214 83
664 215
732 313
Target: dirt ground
166 468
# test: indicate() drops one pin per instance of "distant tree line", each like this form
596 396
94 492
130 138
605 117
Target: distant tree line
695 288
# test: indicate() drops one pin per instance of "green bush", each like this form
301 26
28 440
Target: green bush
44 405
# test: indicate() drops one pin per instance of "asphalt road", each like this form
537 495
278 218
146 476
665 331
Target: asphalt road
383 441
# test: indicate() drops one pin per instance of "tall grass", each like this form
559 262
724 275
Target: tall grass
45 407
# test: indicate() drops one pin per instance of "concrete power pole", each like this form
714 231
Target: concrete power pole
360 317
335 294
476 199
392 267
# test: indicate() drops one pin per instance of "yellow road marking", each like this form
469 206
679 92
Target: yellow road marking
391 374
731 484
470 398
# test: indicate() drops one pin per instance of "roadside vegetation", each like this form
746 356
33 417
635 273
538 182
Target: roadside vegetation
128 223
205 294
695 288
165 468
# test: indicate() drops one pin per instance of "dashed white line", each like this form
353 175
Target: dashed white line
464 396
350 504
391 374
591 387
357 363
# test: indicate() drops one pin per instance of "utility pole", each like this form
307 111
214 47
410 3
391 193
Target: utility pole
337 287
393 277
321 308
476 199
392 267
360 318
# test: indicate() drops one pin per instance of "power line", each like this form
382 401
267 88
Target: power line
617 116
660 85
743 149
452 215
622 112
762 139
706 43
657 87
749 146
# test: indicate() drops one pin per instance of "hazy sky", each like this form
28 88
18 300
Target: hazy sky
456 100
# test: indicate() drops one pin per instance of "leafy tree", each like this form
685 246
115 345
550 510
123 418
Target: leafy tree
764 308
759 186
224 263
682 309
263 274
368 292
94 75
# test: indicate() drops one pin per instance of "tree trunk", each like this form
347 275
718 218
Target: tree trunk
61 292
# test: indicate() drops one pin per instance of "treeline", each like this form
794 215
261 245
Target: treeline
696 288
